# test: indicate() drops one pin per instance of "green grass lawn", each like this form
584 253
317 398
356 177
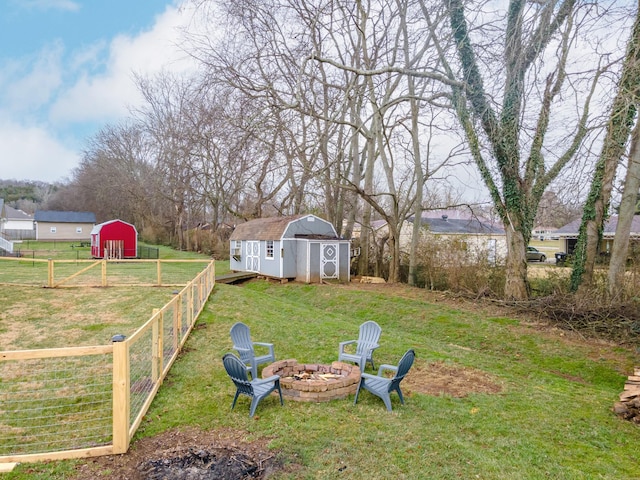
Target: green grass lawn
552 418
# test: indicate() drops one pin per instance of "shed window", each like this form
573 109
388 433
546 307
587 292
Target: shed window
237 250
53 229
269 249
78 229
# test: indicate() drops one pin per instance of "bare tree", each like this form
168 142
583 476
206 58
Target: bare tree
530 73
623 112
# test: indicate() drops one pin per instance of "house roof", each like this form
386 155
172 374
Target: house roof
571 229
15 214
265 228
457 222
54 216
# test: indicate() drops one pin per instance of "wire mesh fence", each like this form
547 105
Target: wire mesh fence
92 399
55 403
76 273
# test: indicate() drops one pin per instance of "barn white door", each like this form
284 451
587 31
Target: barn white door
329 260
252 256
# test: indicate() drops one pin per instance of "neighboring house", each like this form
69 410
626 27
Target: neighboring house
16 224
67 226
114 239
466 231
471 233
541 232
301 247
568 234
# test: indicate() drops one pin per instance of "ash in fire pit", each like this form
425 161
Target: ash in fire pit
196 464
312 382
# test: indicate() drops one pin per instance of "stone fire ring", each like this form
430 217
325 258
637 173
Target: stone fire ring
327 382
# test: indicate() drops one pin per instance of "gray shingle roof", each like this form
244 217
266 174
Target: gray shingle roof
54 216
455 223
571 229
15 214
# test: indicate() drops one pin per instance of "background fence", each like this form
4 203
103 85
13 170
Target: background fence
88 401
54 273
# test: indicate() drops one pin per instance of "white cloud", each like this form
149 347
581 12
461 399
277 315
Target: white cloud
49 103
31 153
107 96
32 82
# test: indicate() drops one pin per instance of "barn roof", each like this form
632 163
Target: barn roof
96 228
52 216
263 228
266 228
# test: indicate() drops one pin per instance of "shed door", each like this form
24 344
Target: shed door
329 260
252 256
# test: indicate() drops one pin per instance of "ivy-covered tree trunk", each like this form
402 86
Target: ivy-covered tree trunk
620 248
516 265
516 179
619 127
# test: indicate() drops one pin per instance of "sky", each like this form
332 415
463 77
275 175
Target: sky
67 69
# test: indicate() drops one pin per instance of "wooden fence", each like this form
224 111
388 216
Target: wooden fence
58 395
54 273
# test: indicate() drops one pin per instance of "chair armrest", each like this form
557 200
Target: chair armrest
271 379
242 349
384 367
344 344
263 344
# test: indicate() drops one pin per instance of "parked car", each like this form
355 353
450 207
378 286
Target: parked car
533 254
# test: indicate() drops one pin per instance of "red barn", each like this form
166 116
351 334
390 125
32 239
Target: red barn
114 239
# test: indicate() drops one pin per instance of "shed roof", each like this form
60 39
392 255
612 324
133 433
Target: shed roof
265 228
64 217
571 229
96 228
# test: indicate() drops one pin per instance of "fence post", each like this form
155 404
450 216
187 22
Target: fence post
159 268
177 323
50 274
121 397
156 346
190 305
104 273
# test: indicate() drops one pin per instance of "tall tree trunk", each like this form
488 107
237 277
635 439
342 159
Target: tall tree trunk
620 247
365 228
516 286
621 119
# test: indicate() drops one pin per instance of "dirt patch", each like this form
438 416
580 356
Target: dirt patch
225 454
440 378
187 453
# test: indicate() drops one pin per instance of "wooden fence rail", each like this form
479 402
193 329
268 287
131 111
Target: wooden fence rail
55 273
138 366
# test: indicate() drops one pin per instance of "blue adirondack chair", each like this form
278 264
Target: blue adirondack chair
241 338
382 386
365 345
256 389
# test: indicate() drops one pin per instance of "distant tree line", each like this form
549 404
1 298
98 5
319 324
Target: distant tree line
371 110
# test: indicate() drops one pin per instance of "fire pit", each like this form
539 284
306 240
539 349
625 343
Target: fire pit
313 382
